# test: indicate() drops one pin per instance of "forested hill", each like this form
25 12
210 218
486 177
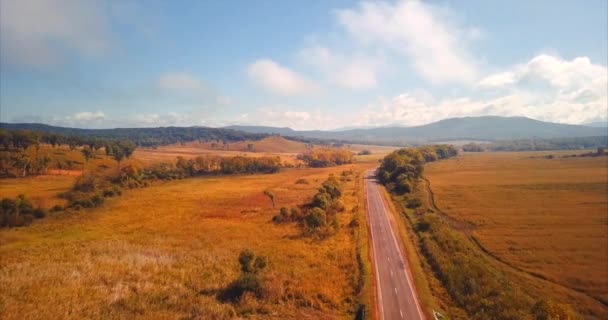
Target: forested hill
145 137
488 128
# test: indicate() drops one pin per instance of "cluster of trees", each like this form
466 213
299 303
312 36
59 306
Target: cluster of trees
326 157
142 137
320 215
211 164
577 143
18 159
402 168
473 147
250 280
18 212
92 188
364 152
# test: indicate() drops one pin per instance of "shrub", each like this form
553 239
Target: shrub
284 213
338 206
302 181
364 152
316 218
19 212
321 200
413 203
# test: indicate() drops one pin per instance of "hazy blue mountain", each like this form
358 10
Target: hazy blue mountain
601 124
488 128
284 131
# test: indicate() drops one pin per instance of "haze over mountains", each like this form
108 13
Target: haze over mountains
486 128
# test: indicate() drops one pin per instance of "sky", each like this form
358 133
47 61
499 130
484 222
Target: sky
300 64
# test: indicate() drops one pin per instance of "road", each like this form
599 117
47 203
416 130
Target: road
396 296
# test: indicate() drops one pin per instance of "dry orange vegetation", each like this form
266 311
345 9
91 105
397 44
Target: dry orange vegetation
548 217
272 146
286 149
41 190
167 251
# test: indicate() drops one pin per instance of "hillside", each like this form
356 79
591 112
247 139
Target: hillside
469 128
148 137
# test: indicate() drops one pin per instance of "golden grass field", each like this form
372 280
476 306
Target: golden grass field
547 217
274 146
167 251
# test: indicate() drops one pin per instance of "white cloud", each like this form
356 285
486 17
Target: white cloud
282 116
497 80
546 88
34 32
89 116
352 72
426 34
180 81
278 79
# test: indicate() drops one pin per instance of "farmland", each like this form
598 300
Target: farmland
544 219
171 249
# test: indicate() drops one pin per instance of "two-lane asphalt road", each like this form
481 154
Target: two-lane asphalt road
395 289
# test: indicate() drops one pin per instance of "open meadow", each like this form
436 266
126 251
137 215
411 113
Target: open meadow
171 250
545 217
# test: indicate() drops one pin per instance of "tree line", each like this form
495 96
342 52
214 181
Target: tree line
576 143
142 137
326 157
18 160
402 168
319 217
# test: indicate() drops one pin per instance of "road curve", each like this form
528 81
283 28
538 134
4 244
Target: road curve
396 296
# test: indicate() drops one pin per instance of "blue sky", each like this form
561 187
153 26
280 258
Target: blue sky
307 65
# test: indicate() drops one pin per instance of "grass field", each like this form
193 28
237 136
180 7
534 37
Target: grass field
274 146
169 250
546 217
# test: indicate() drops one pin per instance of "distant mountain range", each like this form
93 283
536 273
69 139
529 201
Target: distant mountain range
600 124
486 128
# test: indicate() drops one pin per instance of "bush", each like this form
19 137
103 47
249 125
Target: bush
19 212
296 213
316 218
284 212
322 200
249 280
338 206
302 181
364 152
413 203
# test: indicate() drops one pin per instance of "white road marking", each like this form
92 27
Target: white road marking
401 313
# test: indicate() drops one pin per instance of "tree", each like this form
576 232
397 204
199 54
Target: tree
88 153
316 218
270 196
120 150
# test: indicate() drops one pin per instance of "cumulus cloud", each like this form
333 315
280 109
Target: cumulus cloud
546 88
34 32
426 34
89 116
278 79
497 80
282 116
347 71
